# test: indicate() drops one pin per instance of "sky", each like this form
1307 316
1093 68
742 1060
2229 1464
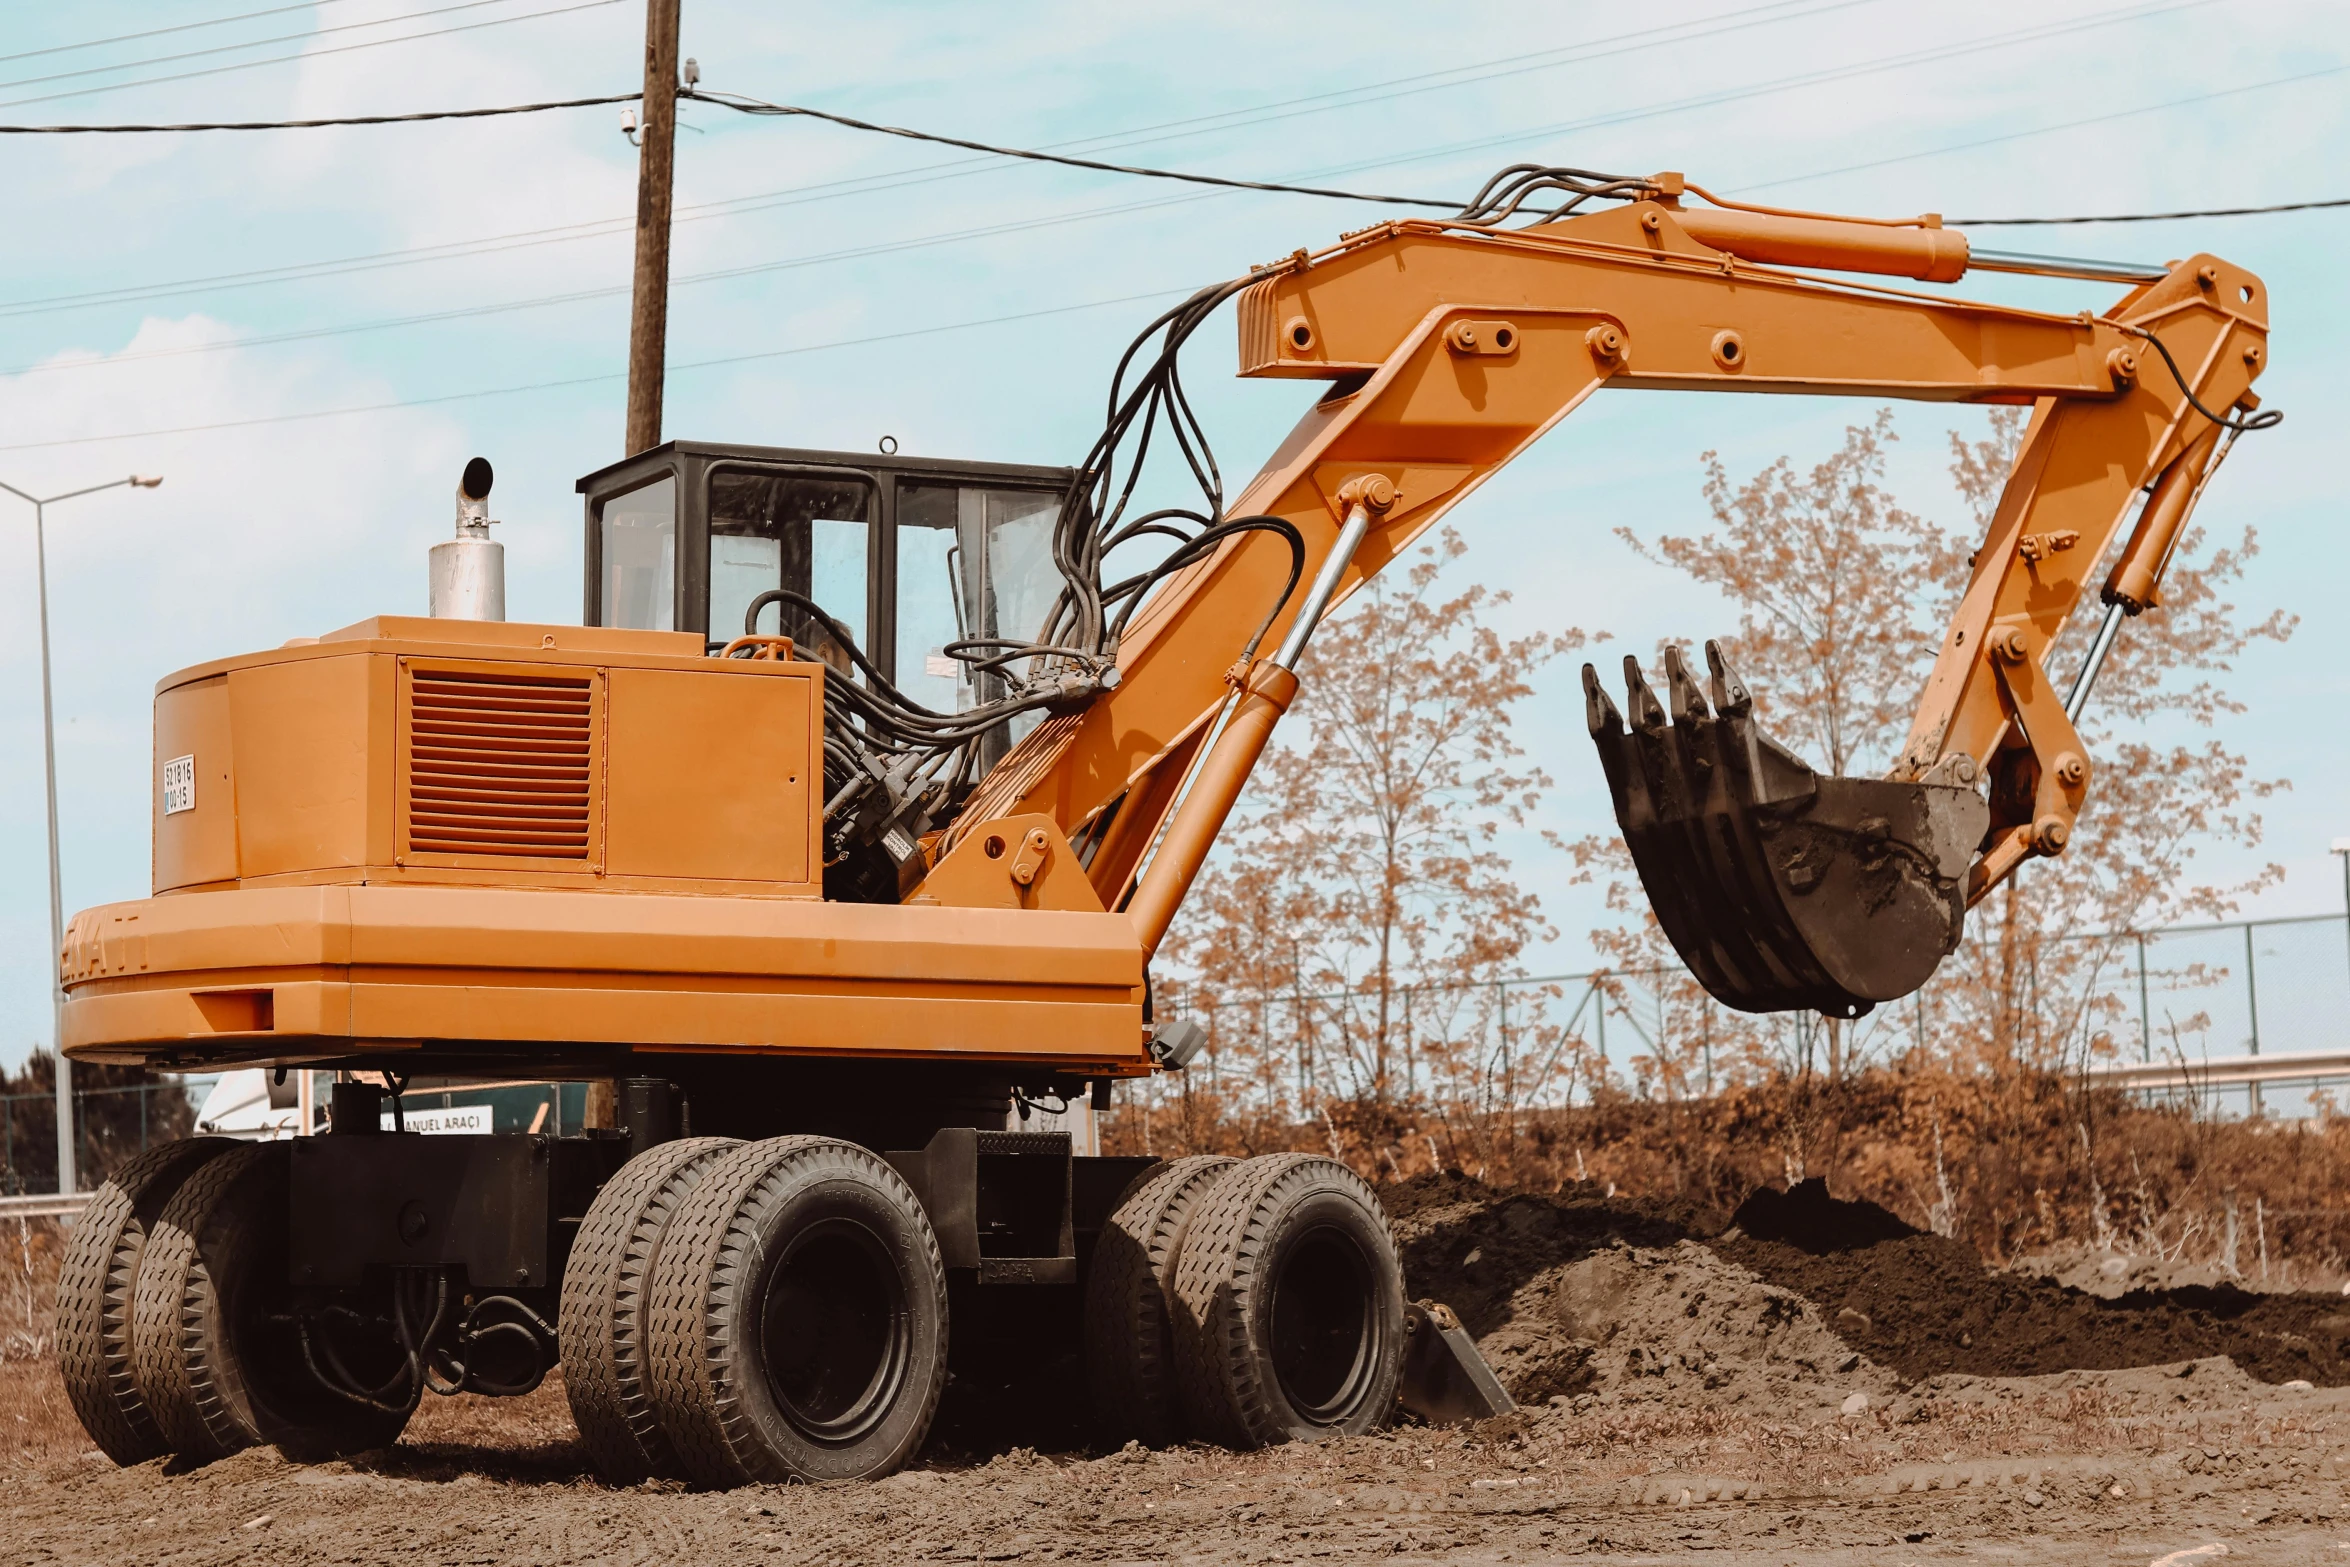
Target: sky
308 333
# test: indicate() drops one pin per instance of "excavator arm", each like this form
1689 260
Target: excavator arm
1446 349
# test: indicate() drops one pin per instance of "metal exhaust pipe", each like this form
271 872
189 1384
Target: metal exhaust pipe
469 571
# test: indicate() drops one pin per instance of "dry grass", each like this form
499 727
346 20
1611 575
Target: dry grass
2013 1162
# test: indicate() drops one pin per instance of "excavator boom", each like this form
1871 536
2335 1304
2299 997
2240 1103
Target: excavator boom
1448 348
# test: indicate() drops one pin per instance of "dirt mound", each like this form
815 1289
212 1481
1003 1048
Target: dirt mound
1806 1217
1515 1265
1675 1324
1579 1293
1474 1246
1927 1306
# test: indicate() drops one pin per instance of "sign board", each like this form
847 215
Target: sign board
457 1119
179 785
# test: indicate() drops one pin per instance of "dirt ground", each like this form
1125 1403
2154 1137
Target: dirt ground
1783 1391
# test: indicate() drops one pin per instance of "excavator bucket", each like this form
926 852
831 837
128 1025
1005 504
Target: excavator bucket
1782 890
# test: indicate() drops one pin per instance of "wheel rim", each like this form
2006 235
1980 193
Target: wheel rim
835 1331
1324 1328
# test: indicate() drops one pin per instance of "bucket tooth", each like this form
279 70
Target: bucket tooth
1730 693
1781 889
1648 714
1688 701
1598 711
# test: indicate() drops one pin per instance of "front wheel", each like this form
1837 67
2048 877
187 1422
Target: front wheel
215 1352
798 1321
1289 1306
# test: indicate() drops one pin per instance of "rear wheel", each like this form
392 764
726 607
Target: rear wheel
1129 1332
1289 1306
798 1326
95 1287
213 1349
605 1283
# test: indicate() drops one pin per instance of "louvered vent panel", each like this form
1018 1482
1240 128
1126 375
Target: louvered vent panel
500 764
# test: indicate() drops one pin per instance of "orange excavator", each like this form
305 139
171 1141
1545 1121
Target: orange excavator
836 843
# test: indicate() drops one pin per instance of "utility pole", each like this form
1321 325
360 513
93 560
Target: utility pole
648 323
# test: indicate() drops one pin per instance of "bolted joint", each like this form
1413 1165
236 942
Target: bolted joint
2071 770
2050 834
1373 491
2122 365
2007 644
1606 343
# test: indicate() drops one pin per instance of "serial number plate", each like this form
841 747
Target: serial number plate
179 785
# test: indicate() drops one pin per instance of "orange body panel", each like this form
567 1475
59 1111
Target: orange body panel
523 841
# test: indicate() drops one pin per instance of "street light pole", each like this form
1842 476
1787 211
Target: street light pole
2342 848
41 505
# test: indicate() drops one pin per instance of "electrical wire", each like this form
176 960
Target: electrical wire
2047 130
2153 217
158 32
870 184
307 54
348 119
862 340
746 105
250 43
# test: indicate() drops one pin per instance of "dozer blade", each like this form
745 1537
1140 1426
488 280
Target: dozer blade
1782 890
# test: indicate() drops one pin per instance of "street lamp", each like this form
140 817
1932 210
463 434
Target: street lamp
41 505
2342 848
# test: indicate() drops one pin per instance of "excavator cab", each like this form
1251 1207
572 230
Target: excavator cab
1780 888
909 554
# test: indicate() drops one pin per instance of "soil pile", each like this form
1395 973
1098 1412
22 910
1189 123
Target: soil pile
1798 1298
1581 1294
1926 1305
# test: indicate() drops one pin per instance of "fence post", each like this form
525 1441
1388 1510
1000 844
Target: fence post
1509 1099
1599 994
2145 1013
2251 990
2252 1010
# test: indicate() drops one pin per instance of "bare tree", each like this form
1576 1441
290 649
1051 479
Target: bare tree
1364 895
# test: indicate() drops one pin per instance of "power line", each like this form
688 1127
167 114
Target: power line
743 105
1736 20
861 252
578 296
306 55
2155 217
2043 130
250 43
349 119
861 340
158 32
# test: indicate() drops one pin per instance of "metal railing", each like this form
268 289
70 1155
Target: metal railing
2206 997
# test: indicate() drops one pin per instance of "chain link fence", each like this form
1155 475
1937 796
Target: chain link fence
2190 995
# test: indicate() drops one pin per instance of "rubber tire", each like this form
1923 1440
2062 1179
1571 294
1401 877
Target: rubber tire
602 1323
95 1286
215 1373
1129 1329
1256 1221
706 1364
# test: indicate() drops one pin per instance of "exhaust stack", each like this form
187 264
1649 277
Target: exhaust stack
469 571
